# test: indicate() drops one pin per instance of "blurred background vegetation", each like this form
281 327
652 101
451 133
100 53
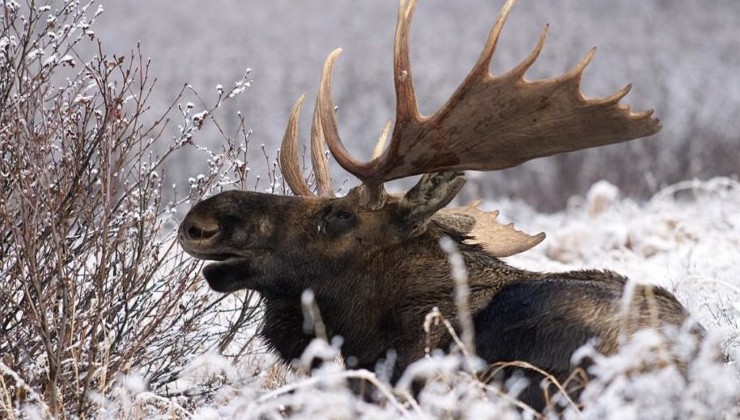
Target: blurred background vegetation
681 56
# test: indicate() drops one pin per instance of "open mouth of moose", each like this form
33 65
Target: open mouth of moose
229 272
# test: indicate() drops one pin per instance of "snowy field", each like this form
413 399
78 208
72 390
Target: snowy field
686 238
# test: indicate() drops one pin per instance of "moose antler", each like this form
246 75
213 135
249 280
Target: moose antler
483 228
289 156
490 122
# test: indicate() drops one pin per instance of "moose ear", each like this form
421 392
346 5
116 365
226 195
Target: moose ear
429 195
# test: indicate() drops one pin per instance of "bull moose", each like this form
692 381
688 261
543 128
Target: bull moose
373 260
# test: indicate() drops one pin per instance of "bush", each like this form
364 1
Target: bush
94 289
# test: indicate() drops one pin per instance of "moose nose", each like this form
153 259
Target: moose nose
194 230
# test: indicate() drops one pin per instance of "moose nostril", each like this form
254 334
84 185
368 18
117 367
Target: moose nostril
196 232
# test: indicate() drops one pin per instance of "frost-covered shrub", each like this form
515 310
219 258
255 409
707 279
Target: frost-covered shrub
642 382
94 291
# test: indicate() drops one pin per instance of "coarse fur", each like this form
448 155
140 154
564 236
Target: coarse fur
374 283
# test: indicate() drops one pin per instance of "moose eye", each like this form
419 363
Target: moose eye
344 215
338 221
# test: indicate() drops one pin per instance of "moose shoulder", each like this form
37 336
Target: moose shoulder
374 261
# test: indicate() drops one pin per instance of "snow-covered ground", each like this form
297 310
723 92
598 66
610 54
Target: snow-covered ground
686 238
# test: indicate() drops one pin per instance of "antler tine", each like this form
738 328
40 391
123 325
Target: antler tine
319 162
519 71
406 107
328 121
480 69
382 140
289 154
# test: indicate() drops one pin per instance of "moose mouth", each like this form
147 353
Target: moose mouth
229 273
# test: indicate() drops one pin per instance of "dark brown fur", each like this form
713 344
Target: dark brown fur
377 274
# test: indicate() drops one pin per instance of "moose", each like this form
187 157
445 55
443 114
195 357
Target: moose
373 259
